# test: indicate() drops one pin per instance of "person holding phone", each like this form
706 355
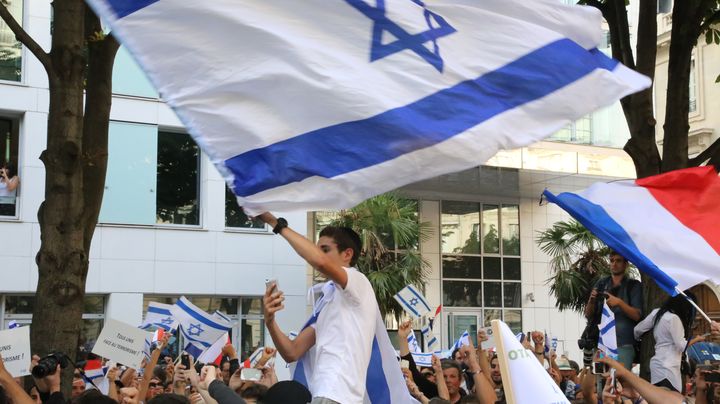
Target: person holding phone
9 182
344 323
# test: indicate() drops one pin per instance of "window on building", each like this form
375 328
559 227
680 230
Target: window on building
20 308
580 131
245 313
9 160
481 271
10 48
693 90
178 175
664 6
236 218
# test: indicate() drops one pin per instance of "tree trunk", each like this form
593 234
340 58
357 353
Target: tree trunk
75 162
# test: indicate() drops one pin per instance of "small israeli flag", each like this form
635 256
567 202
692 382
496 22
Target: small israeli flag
413 343
159 315
462 341
412 301
608 338
430 341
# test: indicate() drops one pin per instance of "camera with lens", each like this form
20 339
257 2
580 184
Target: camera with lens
47 365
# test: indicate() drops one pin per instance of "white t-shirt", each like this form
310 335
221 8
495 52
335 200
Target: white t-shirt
344 335
669 345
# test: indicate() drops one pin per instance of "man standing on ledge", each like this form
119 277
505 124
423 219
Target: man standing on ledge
343 325
624 296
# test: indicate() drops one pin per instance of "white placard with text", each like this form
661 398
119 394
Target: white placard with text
15 350
121 343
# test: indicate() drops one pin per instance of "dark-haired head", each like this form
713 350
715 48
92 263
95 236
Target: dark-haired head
11 169
681 307
345 238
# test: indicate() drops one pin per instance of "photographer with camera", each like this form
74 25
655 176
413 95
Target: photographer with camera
46 372
624 297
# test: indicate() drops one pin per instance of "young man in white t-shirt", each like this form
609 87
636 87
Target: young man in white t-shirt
345 327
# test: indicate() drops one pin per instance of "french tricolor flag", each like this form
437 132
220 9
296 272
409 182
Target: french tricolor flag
668 225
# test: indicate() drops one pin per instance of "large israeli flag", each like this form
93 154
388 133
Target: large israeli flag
319 104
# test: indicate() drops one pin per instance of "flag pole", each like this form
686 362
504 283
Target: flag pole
694 304
502 361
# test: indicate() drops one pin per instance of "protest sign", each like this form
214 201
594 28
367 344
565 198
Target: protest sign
524 378
121 343
15 350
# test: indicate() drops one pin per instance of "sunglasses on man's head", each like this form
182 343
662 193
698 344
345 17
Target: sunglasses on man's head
154 385
428 374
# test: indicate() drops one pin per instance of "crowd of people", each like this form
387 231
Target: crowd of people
339 343
162 380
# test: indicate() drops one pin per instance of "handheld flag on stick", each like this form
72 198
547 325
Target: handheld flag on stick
681 207
314 110
430 340
431 322
199 329
608 337
159 315
412 301
525 380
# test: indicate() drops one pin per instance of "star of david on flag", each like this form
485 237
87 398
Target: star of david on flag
412 301
323 104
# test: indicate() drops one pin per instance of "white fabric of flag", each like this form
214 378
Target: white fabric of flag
211 354
608 336
159 315
412 301
315 104
522 373
430 340
200 329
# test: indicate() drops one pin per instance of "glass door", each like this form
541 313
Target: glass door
459 322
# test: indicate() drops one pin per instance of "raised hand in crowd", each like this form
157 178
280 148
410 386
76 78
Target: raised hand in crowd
267 354
442 388
484 390
652 394
112 375
403 333
150 366
129 395
13 390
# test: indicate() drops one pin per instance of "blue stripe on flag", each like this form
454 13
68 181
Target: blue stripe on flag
407 305
158 310
200 317
299 375
419 296
123 8
597 220
607 327
194 351
377 388
421 124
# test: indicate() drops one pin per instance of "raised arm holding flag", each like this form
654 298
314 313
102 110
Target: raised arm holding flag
343 353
